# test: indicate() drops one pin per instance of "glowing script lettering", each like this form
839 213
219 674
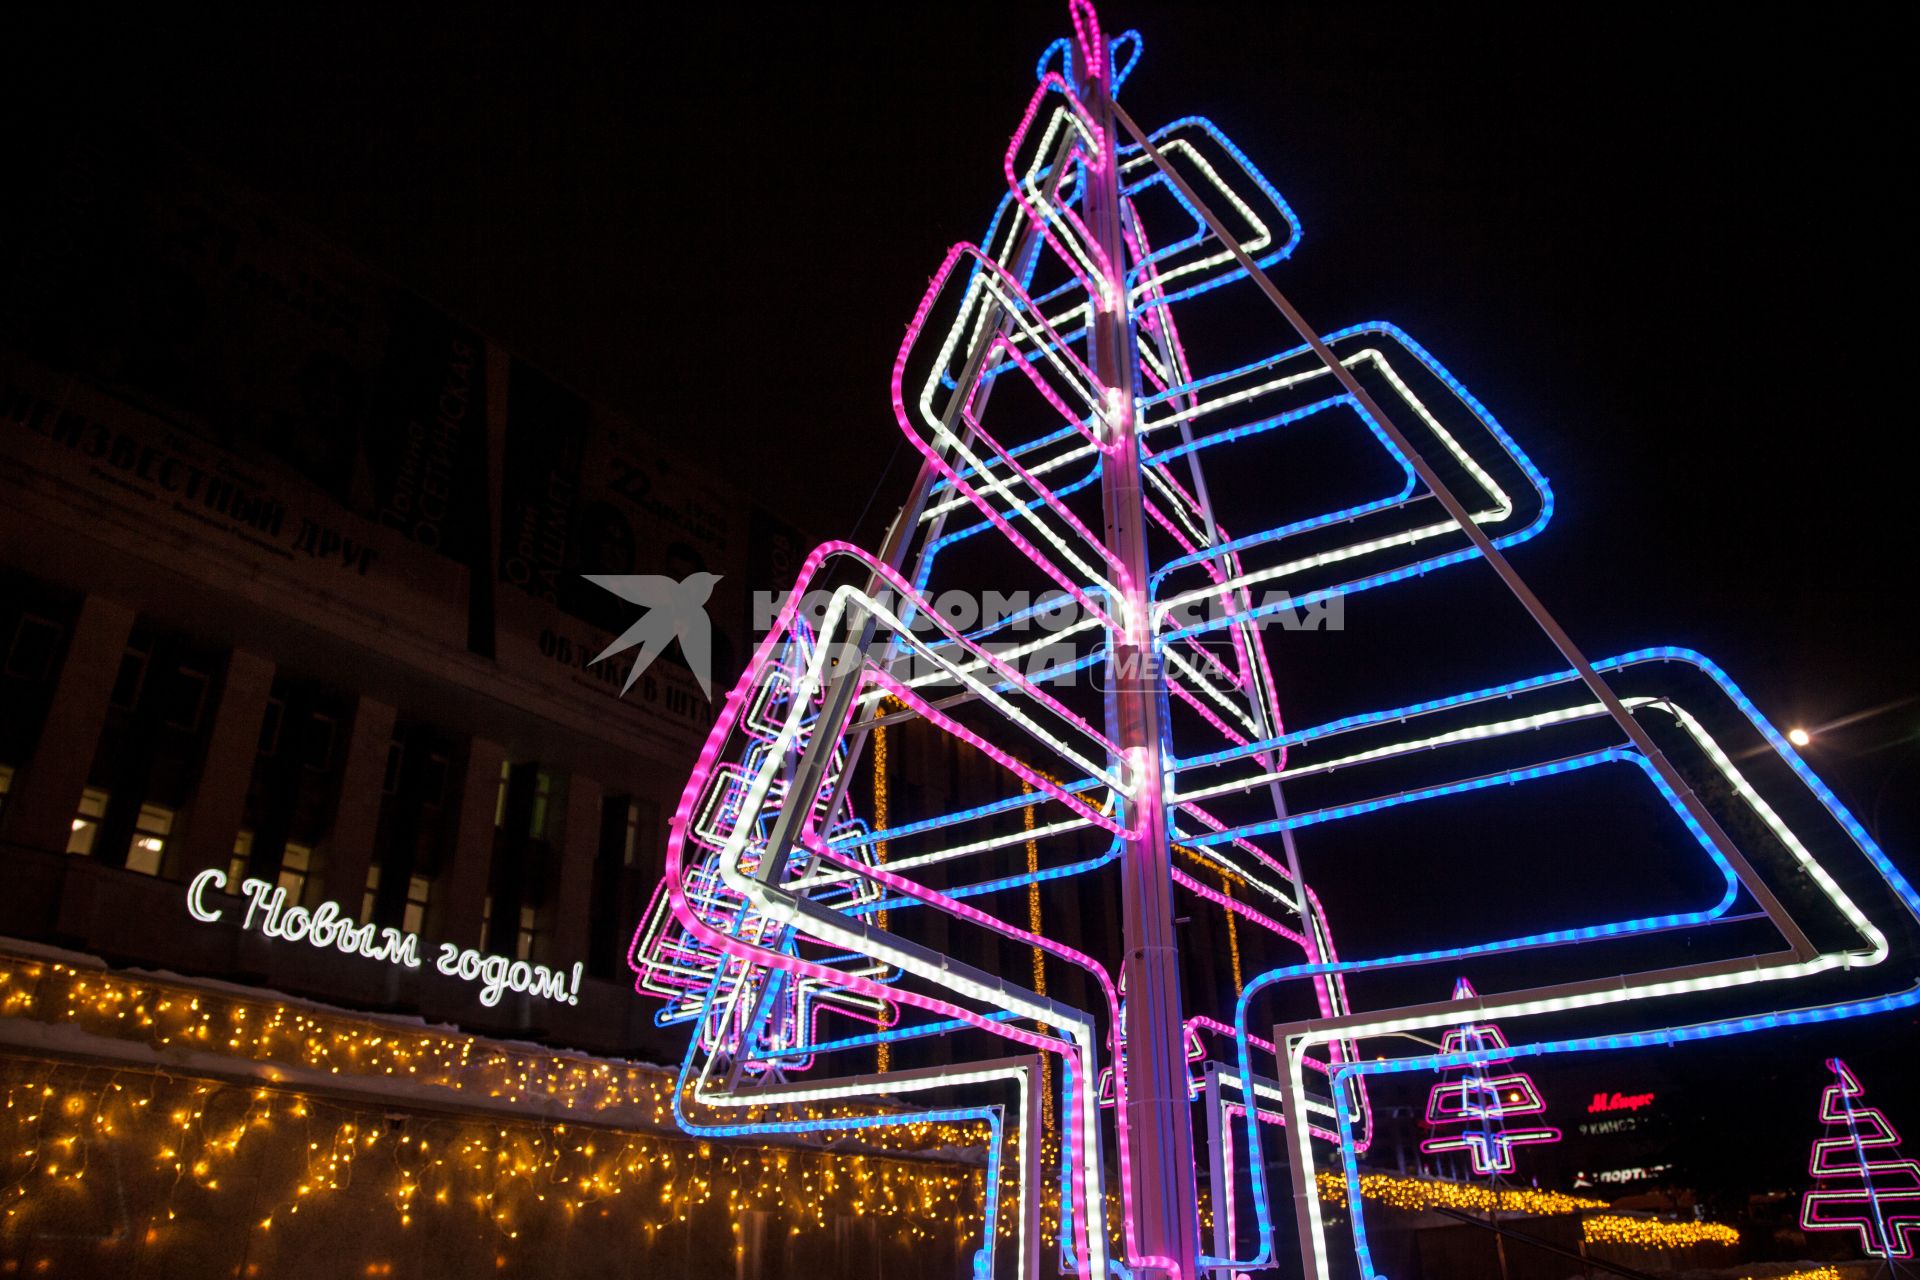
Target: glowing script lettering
329 926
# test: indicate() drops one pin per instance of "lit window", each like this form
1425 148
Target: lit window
418 888
633 833
294 865
486 917
523 946
542 794
86 823
415 912
6 784
500 796
150 834
242 856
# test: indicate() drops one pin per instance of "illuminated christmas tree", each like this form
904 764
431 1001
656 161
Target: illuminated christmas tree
1861 1182
1030 753
1472 1104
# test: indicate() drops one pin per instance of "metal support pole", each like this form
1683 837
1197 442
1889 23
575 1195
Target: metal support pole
1158 1120
1219 1170
1293 1105
1033 1170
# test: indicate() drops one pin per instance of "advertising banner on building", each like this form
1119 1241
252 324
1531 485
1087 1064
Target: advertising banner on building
128 479
583 492
183 356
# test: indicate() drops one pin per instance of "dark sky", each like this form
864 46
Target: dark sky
1662 248
1665 244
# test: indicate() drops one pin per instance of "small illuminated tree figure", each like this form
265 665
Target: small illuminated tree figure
1473 1102
1861 1182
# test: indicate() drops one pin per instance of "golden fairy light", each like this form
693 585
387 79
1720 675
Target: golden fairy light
192 1135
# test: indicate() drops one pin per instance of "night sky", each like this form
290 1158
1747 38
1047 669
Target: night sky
1659 243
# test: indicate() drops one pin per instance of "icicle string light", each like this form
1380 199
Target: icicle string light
181 1152
295 1045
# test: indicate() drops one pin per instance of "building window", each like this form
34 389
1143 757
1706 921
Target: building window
526 935
35 642
127 683
6 784
270 726
150 834
500 796
542 799
433 780
632 846
295 863
396 760
419 888
86 823
320 735
486 919
414 914
242 857
189 699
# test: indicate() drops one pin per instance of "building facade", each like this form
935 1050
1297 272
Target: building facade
291 593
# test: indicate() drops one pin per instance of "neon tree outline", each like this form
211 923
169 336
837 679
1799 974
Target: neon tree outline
1480 1102
1887 1217
765 930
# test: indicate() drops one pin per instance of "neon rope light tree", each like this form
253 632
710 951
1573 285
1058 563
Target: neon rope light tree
1861 1182
1127 747
1471 1104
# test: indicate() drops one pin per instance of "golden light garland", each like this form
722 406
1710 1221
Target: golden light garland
63 1118
1815 1273
176 1146
1417 1194
1039 957
883 1052
1233 936
289 1040
1033 891
1650 1233
877 742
